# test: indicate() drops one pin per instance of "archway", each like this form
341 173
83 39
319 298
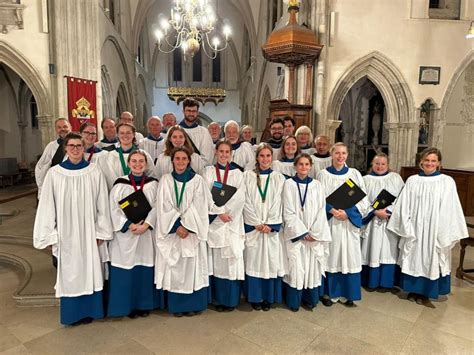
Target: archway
400 109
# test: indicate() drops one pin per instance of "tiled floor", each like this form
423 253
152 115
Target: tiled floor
381 322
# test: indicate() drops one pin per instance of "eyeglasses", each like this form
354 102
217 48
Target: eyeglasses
74 146
90 133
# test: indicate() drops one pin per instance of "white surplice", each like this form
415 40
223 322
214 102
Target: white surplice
284 167
164 165
202 140
244 156
319 164
73 213
227 240
306 259
182 264
152 147
429 219
379 245
127 250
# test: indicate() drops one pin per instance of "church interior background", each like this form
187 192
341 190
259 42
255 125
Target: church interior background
364 88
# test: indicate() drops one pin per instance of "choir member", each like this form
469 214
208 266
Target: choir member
343 281
154 142
226 236
306 234
242 152
289 151
92 153
264 257
305 139
276 136
321 158
289 126
169 120
214 129
132 254
199 136
181 268
116 161
247 135
429 219
127 117
177 137
73 218
53 154
380 246
110 133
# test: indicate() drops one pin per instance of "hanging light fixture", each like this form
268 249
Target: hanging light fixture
191 27
470 32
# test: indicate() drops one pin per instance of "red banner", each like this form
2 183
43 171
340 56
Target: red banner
82 101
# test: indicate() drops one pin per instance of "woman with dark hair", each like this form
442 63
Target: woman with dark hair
286 159
429 219
92 153
73 219
380 246
226 230
181 268
306 234
177 137
343 280
116 162
132 251
264 256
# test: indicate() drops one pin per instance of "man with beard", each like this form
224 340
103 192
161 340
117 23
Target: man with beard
199 136
276 136
169 120
53 154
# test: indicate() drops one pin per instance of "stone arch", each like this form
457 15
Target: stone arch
25 70
125 67
401 118
441 122
122 101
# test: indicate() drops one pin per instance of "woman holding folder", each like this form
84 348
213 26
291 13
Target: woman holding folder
181 268
226 236
264 256
116 161
429 219
132 254
380 246
306 234
343 281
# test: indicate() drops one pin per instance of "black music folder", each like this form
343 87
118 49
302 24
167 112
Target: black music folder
135 206
222 193
346 196
384 199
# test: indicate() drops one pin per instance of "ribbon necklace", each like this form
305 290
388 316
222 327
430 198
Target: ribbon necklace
91 154
179 195
226 173
125 168
134 184
302 198
263 194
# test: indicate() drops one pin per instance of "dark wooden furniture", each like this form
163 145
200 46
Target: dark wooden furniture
462 273
464 183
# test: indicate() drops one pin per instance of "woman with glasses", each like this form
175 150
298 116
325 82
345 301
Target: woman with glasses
181 268
73 219
116 162
92 153
304 136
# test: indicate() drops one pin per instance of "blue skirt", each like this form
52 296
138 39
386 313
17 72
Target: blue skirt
342 285
386 275
184 302
225 292
294 297
257 290
424 286
74 309
130 290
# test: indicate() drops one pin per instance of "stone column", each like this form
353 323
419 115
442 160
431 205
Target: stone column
45 124
330 129
74 47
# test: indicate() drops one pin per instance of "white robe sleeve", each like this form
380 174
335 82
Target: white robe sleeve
44 163
197 164
103 224
195 218
45 232
294 226
167 212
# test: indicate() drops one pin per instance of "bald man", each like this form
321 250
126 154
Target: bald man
127 117
153 143
322 158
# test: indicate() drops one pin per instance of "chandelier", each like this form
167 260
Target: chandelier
191 26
